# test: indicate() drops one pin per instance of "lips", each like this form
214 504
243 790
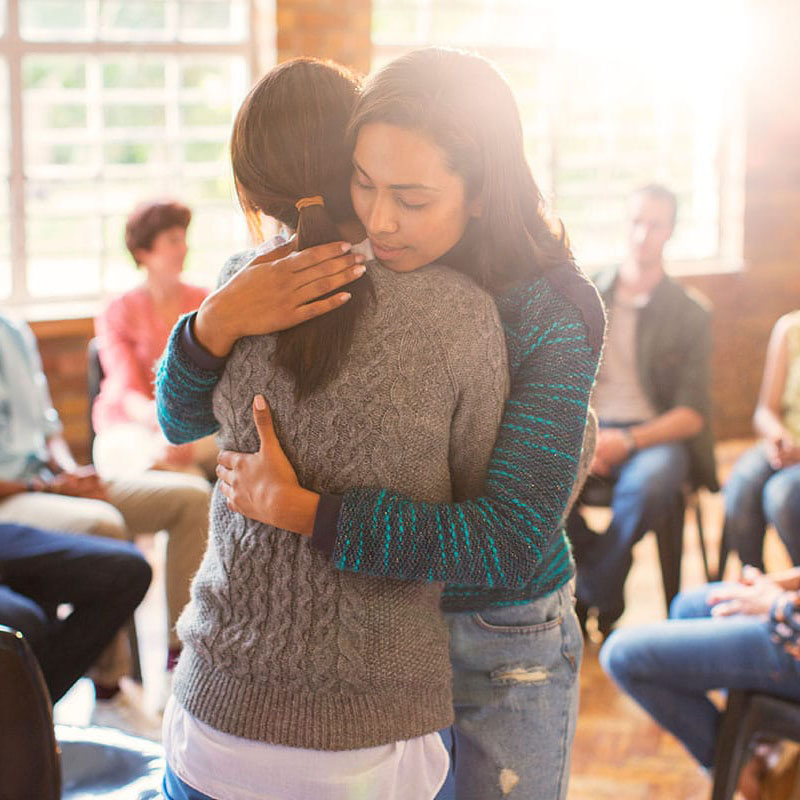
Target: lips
384 252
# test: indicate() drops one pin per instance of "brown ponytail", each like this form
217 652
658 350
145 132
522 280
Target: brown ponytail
288 143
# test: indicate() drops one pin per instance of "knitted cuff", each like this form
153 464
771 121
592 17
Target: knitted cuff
324 534
195 351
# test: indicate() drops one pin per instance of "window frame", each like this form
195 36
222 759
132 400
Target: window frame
13 49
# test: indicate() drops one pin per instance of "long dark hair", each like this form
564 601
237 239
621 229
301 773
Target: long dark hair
465 106
288 143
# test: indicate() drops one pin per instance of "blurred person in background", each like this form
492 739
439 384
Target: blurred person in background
652 401
764 485
101 580
131 334
743 635
42 485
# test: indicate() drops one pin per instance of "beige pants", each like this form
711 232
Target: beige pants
128 449
150 502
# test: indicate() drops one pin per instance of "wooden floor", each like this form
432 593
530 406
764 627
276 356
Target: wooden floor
619 752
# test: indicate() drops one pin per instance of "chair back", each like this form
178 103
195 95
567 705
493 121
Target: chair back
94 377
29 762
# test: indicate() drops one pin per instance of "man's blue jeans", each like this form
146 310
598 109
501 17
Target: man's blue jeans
647 488
103 581
515 691
756 495
668 667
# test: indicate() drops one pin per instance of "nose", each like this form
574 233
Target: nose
381 218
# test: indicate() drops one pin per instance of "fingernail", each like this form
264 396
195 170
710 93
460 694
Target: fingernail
360 258
344 296
261 404
345 246
359 271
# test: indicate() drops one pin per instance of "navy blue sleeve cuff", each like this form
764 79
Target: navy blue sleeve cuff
195 352
324 534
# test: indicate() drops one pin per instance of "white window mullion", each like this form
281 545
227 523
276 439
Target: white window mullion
94 130
16 154
172 124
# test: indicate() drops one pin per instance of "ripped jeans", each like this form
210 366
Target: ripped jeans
515 691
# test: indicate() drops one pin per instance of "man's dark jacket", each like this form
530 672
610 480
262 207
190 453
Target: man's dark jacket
673 355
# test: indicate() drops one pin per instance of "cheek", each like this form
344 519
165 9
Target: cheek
444 230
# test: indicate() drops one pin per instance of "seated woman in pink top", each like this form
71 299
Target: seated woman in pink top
132 333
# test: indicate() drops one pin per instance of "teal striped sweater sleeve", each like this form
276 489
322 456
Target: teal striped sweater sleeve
184 390
511 537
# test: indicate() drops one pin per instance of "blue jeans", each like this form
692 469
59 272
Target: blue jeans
646 488
515 691
756 495
668 667
101 579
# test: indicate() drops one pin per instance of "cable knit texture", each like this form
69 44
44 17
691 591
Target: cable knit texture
281 646
509 546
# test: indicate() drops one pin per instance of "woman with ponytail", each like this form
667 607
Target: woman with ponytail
298 679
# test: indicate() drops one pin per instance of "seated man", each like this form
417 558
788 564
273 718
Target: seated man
41 485
652 401
103 581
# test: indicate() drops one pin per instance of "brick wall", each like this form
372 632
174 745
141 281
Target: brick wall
62 345
745 304
337 30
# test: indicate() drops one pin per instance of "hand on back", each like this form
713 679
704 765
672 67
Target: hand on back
276 291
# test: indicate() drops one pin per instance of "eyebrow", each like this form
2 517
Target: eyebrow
397 186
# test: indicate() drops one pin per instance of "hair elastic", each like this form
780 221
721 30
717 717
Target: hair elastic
314 200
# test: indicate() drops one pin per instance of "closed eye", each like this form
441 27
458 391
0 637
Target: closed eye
410 206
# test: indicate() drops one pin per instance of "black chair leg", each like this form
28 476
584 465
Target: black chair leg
702 539
133 640
724 549
733 741
670 550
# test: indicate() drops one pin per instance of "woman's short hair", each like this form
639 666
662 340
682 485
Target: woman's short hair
149 219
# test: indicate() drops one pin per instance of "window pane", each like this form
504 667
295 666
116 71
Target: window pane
68 20
134 73
62 255
213 20
105 132
151 20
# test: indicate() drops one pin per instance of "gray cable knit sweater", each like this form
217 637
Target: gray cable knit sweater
280 646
